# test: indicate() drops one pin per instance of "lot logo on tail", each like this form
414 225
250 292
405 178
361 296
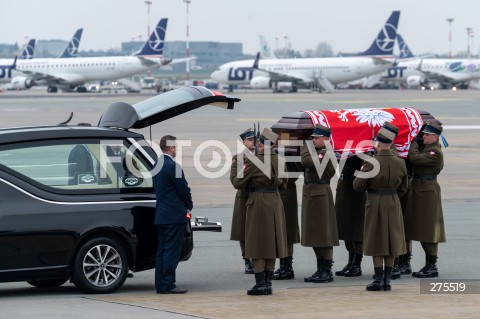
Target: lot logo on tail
75 43
29 50
156 41
386 38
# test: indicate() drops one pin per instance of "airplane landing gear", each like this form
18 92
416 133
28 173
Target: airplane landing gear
52 89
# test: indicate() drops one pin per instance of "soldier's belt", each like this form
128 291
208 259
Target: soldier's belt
272 189
316 181
244 193
425 177
383 191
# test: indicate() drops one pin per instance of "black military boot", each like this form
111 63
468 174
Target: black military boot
430 270
377 283
326 275
286 272
406 268
386 279
351 256
356 269
396 270
248 266
260 287
316 274
276 273
268 281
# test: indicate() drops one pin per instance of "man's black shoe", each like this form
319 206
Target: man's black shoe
174 291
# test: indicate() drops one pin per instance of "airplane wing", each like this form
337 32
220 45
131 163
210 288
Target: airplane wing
181 60
319 79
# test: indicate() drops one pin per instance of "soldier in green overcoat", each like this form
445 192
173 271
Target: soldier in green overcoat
239 206
385 180
290 206
319 223
424 217
265 230
350 210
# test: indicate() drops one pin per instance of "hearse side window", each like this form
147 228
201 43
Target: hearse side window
76 165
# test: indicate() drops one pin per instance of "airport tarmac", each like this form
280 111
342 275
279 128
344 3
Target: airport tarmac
214 273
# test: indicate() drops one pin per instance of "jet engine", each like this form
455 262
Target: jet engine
415 81
260 82
22 82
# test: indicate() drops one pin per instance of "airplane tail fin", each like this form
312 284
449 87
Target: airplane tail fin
29 50
14 64
71 51
257 59
154 45
385 40
405 52
265 49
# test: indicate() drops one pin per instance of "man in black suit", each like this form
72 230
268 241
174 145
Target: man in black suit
174 201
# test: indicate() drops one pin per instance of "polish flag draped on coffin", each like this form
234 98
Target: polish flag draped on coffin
354 129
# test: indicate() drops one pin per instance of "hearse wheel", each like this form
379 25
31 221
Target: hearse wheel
100 266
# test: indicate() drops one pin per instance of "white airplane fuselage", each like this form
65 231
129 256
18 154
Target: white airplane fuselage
336 70
80 70
458 70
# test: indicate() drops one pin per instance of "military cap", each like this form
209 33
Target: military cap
268 134
392 128
433 128
321 130
385 136
247 134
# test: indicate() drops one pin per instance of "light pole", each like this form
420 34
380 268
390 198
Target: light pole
148 3
450 20
469 35
188 45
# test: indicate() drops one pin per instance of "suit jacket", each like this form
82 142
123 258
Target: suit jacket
173 194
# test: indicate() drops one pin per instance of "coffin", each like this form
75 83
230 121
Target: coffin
351 128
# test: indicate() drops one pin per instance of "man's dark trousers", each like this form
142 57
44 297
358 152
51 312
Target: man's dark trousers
170 241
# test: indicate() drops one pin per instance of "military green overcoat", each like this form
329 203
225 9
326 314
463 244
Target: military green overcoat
350 204
319 222
265 230
290 206
239 206
424 215
383 233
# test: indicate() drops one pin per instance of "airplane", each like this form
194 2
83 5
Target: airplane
6 64
71 51
431 72
320 73
382 79
69 74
